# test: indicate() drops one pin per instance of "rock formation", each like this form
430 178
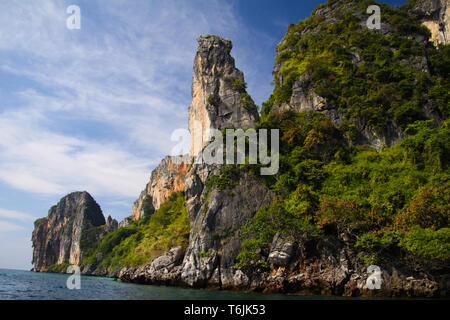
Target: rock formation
219 97
314 265
163 269
332 267
111 225
219 101
435 15
216 217
56 238
167 178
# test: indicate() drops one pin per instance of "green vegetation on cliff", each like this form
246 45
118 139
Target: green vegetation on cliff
394 199
369 75
141 240
59 268
392 202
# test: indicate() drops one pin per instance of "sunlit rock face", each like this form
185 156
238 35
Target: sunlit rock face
168 177
219 98
434 14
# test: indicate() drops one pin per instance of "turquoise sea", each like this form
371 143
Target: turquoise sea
26 285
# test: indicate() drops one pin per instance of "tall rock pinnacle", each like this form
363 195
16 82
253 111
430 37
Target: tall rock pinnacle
219 96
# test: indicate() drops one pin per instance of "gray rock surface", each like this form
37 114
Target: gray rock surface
435 15
56 238
216 217
111 225
219 97
281 251
163 269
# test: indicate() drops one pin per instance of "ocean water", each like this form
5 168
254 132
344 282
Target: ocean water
26 285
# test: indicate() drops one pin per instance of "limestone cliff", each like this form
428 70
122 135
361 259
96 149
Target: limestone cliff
168 177
219 101
311 265
219 97
304 93
56 238
435 15
325 263
216 217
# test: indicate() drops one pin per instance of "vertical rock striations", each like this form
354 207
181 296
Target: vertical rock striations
166 179
216 216
304 92
219 96
435 15
56 238
219 100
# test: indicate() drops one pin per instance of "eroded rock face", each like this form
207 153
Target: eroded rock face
434 14
219 98
56 238
281 251
216 217
166 179
331 266
163 269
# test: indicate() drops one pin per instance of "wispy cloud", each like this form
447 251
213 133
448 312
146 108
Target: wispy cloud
9 227
104 100
49 163
94 109
11 214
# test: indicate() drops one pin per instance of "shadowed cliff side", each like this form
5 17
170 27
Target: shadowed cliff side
56 238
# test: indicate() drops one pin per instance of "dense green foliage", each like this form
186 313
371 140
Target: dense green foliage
141 240
59 268
368 75
147 208
394 202
390 200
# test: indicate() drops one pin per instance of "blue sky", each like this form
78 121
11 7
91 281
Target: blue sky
93 109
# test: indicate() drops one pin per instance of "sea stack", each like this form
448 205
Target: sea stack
56 238
219 96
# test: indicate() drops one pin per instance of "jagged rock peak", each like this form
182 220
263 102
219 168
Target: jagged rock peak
80 200
111 225
219 96
56 238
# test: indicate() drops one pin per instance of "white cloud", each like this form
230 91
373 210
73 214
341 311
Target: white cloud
128 69
48 163
11 214
9 227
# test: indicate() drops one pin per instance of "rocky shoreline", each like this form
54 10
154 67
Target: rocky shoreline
300 269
